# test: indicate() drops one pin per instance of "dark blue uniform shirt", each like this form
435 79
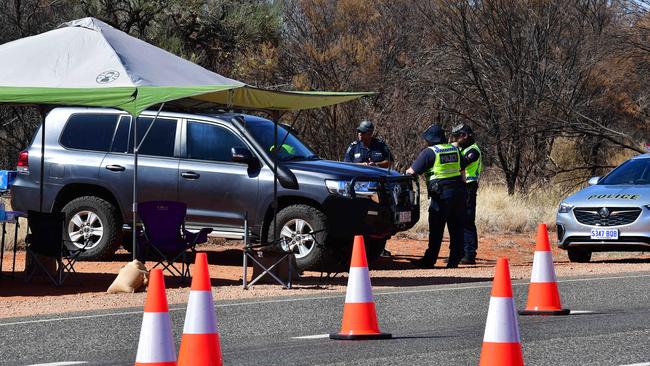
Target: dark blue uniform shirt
357 152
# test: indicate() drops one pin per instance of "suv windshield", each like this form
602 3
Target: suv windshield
636 171
291 148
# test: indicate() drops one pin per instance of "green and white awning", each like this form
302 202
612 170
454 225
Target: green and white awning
88 63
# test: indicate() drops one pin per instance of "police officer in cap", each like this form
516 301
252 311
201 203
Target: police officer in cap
463 136
368 150
440 162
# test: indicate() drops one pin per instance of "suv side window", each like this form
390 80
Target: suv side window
210 142
89 131
159 141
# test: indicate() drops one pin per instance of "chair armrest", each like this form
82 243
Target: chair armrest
197 238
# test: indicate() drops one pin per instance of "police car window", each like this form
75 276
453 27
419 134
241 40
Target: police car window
636 171
210 142
89 131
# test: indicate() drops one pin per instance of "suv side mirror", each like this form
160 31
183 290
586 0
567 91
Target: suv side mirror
593 180
241 155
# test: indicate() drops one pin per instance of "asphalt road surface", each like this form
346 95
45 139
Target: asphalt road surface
435 325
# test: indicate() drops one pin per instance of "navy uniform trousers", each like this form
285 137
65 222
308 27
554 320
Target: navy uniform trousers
448 208
471 236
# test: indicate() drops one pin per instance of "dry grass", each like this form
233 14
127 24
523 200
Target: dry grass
498 212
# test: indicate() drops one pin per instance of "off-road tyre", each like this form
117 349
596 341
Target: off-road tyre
319 255
110 221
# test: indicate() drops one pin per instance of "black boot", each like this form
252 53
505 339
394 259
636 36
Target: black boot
423 263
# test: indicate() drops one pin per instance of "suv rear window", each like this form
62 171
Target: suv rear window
89 131
160 140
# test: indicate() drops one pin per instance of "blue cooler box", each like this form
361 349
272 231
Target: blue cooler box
7 178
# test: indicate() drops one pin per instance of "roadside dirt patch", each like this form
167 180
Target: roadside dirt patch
89 292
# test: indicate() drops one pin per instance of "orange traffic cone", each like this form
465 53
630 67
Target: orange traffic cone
200 341
359 315
501 343
543 295
156 345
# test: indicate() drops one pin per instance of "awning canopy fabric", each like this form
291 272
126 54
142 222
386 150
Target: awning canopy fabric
87 62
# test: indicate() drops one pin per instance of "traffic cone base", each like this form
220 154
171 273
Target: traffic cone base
195 343
360 337
505 353
359 314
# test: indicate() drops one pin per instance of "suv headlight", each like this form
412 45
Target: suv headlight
565 208
338 187
361 189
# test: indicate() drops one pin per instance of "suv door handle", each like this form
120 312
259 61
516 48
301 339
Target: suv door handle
190 175
115 168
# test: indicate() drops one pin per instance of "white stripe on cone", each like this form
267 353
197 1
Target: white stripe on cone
501 325
156 343
359 289
200 317
543 270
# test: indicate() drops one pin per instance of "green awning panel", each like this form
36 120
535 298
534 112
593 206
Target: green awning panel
89 63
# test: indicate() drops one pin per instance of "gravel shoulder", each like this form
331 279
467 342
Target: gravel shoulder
89 292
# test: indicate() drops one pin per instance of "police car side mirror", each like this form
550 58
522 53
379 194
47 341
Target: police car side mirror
593 181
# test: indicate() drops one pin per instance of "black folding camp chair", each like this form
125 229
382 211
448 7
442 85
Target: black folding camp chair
255 252
45 239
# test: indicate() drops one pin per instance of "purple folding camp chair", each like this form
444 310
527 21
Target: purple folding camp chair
165 236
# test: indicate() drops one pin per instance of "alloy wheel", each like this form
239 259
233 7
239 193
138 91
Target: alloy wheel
296 235
85 226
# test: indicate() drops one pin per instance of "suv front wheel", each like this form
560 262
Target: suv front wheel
94 220
303 229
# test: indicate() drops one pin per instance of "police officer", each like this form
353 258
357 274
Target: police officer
472 160
368 150
441 164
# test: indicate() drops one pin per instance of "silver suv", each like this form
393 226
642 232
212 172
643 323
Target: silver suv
220 165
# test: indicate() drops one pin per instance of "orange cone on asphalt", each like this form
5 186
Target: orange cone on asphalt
501 341
200 344
156 345
543 294
359 315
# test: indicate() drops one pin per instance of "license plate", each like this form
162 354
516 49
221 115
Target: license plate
604 234
404 216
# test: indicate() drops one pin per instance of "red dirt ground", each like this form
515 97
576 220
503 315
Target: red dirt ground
88 293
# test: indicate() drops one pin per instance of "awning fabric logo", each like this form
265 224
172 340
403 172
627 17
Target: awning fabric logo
107 77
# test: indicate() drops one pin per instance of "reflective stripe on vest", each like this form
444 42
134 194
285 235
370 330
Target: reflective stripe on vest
447 164
473 170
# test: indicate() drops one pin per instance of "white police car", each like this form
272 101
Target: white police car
613 214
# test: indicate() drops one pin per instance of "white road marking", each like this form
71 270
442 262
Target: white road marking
316 336
581 312
341 295
62 363
638 364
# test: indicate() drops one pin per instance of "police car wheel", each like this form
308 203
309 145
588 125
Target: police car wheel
579 255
